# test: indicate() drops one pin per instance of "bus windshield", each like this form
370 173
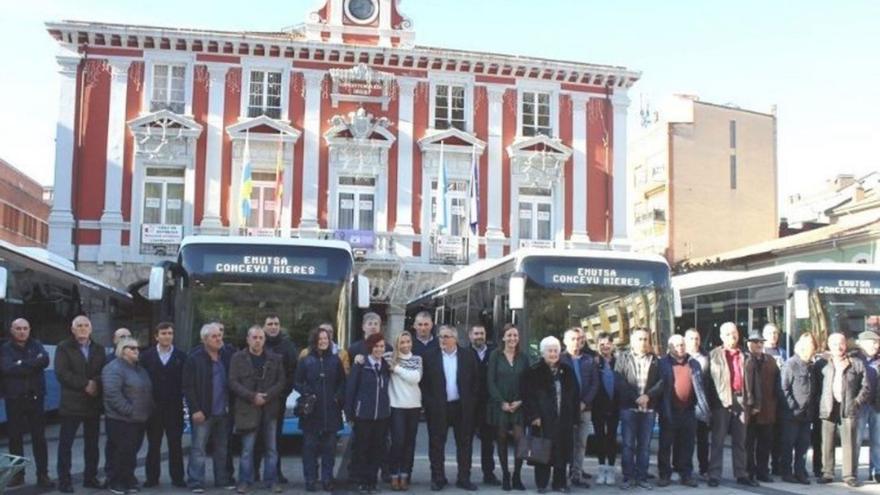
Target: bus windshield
598 295
238 285
841 301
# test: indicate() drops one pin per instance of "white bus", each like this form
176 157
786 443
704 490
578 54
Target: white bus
822 298
545 291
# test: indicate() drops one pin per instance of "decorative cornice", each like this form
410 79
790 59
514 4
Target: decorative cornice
283 131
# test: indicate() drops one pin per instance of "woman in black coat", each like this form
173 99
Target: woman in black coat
320 374
550 406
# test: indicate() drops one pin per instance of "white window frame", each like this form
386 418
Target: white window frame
552 89
250 64
452 80
357 191
165 181
263 186
535 201
153 58
461 195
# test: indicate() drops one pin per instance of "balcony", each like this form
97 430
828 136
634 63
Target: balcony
449 250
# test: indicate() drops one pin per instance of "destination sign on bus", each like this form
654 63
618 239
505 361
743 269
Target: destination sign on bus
848 287
585 275
265 265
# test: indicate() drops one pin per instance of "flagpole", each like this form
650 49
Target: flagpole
279 184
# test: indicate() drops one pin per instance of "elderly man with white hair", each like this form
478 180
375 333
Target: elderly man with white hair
551 406
682 404
639 389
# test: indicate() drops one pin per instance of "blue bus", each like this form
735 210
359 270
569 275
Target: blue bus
46 290
240 280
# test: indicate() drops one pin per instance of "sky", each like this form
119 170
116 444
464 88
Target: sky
816 61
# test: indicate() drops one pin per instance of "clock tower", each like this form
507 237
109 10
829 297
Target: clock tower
361 22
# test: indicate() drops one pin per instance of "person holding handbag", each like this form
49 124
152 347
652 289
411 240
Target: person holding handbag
320 374
507 364
405 397
550 405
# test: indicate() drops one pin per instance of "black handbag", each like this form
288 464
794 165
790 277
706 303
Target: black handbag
534 449
305 405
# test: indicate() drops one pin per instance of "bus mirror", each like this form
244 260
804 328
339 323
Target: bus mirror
516 291
801 304
157 283
676 302
363 292
4 275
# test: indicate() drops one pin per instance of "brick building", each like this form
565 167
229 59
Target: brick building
24 213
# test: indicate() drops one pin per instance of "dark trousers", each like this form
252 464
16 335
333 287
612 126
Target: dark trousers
605 424
26 415
318 445
542 474
69 428
728 421
676 451
816 443
127 439
369 437
796 438
438 427
279 432
109 451
486 433
849 435
166 420
404 427
776 449
703 430
759 444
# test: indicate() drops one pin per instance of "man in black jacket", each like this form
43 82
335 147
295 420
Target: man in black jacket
78 365
278 342
639 389
164 363
23 361
450 393
423 333
482 428
845 389
797 409
205 387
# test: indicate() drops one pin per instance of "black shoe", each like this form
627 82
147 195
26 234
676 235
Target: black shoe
542 490
44 481
713 482
151 483
747 482
823 480
117 490
311 486
437 485
505 482
562 489
689 481
466 485
517 483
94 483
282 479
490 479
765 478
179 483
876 477
853 483
328 486
663 482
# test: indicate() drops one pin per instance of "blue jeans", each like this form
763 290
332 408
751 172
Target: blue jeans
318 444
869 427
637 427
214 428
266 430
404 427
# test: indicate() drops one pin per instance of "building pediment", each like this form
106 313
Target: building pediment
263 128
453 141
538 161
165 123
359 128
526 147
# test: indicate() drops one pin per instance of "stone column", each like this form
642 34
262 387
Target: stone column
579 204
211 221
405 193
620 101
311 149
494 232
61 221
112 222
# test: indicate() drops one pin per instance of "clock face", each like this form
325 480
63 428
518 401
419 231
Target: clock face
361 10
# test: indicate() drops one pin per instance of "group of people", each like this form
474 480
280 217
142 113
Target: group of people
773 407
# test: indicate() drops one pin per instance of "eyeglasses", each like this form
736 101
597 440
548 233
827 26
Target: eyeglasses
447 336
131 348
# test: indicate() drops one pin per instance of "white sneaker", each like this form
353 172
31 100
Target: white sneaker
600 475
610 475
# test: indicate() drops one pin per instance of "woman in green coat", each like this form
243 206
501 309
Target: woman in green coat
506 366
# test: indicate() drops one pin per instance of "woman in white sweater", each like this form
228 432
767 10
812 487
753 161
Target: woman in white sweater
406 404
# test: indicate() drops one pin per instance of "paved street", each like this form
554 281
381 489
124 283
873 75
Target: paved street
292 468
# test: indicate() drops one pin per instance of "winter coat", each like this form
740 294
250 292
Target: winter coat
198 379
767 378
366 393
167 378
540 402
718 387
625 383
245 382
799 394
128 392
22 369
856 389
73 373
321 374
589 383
701 405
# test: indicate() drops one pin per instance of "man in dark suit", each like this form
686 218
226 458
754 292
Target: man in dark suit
450 393
164 363
482 428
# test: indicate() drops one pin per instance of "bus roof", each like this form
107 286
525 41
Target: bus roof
482 266
264 241
55 262
713 277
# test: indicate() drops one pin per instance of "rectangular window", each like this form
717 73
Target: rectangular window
263 205
11 216
536 114
163 196
264 94
733 171
733 134
168 88
456 206
535 214
449 107
356 203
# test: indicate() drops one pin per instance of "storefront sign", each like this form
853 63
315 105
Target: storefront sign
155 233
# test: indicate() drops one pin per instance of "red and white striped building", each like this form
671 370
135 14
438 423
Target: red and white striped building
153 123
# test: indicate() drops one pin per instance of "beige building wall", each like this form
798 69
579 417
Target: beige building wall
707 215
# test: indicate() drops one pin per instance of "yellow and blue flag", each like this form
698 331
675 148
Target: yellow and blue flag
247 183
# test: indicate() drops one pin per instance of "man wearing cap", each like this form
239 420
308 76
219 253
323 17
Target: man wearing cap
759 436
869 421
